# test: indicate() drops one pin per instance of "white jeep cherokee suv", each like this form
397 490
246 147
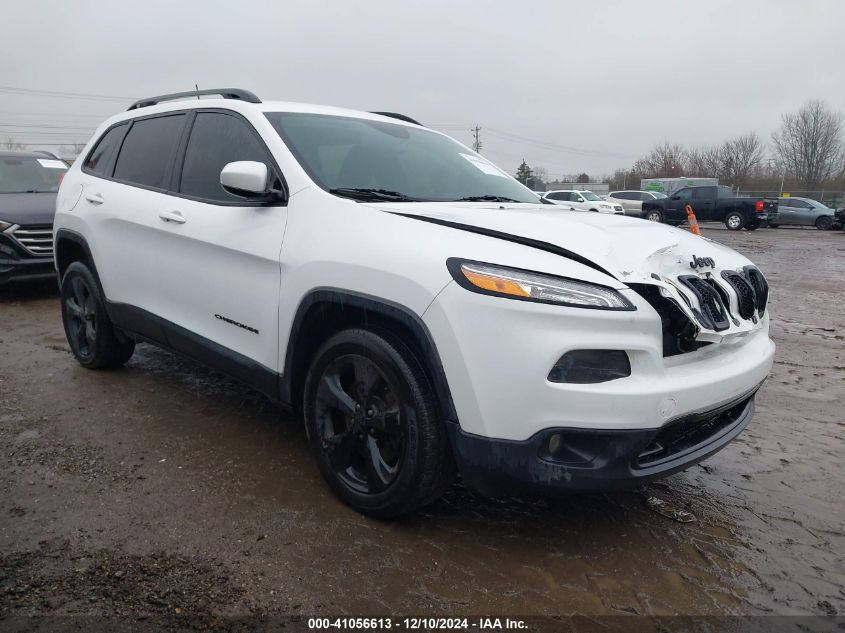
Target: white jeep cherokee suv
419 306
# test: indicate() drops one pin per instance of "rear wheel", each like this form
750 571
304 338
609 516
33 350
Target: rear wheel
373 423
773 226
824 223
93 339
654 215
734 221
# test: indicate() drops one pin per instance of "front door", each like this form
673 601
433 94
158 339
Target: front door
221 251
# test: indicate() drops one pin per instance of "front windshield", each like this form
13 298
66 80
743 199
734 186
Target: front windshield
589 195
27 174
374 160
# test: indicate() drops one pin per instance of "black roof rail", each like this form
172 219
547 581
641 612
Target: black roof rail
401 117
226 93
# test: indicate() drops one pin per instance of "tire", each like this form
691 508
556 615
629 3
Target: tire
93 339
823 223
734 221
653 215
773 226
374 424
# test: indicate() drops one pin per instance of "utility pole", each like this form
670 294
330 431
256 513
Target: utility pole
476 135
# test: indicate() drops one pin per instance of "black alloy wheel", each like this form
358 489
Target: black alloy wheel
93 339
374 425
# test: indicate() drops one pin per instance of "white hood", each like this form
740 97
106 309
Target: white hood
630 249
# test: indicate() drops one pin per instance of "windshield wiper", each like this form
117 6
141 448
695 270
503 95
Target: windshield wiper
363 193
485 199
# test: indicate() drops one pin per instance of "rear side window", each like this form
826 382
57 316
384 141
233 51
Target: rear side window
147 151
101 158
217 139
704 193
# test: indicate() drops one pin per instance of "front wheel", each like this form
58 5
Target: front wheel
373 423
734 221
93 339
654 215
824 223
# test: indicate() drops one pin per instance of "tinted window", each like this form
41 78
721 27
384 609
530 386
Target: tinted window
27 174
217 139
147 151
684 194
101 158
704 193
623 195
558 196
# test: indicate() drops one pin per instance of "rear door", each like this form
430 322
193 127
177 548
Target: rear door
219 253
123 193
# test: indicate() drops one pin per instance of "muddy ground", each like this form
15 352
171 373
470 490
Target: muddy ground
165 489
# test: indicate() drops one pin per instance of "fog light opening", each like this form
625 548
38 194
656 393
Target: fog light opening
590 366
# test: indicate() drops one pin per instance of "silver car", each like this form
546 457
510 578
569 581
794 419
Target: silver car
803 212
632 200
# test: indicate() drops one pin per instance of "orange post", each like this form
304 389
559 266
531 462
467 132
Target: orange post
693 222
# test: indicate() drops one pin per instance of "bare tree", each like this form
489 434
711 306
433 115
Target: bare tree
12 145
662 161
740 159
809 144
71 150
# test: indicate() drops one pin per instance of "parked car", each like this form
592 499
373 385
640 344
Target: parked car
840 218
28 185
712 204
632 200
280 243
803 212
582 201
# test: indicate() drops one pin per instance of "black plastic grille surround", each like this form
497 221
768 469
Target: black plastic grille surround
746 295
713 314
761 287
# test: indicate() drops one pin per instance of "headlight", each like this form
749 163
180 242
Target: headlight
4 225
525 285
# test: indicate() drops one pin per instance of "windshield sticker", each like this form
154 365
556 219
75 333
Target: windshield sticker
51 164
483 165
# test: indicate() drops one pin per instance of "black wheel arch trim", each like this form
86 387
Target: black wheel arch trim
79 240
383 307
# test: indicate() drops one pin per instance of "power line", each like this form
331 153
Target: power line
63 95
50 126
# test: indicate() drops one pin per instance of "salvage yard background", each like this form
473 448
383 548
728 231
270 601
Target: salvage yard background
165 489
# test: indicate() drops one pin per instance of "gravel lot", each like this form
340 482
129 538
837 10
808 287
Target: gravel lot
164 490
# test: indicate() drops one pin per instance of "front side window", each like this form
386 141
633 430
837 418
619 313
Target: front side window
28 174
217 139
363 159
704 193
100 159
147 151
684 194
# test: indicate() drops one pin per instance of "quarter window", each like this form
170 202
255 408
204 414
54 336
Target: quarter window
101 159
147 151
216 140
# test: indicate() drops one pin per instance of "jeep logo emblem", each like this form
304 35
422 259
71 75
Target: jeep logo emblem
701 262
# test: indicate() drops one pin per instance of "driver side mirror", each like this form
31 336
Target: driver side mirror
247 179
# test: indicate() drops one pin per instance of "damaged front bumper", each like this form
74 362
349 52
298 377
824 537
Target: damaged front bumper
578 459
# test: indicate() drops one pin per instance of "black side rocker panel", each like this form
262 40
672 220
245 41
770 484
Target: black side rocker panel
163 333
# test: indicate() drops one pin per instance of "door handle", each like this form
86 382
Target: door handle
94 198
172 216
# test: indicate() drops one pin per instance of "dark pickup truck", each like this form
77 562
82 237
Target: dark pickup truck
712 204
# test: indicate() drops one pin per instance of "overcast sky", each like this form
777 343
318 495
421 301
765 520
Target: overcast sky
569 86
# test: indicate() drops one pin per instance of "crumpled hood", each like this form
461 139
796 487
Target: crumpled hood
28 208
630 249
